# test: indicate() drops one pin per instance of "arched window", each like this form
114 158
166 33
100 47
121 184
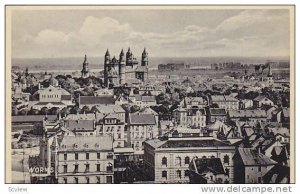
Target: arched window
164 161
187 160
164 174
186 173
109 167
178 173
178 161
226 159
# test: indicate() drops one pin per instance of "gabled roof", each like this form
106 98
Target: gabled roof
260 98
80 125
251 157
277 174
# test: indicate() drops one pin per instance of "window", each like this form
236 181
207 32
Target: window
226 159
259 168
186 173
98 155
65 180
87 167
87 156
227 171
109 179
178 173
259 179
98 167
109 156
98 179
65 168
76 168
75 145
75 180
76 156
187 160
178 161
65 156
109 167
87 180
164 174
164 161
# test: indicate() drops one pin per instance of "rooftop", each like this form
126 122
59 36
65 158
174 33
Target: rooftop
142 119
188 143
87 142
94 100
209 164
32 118
247 113
251 157
217 111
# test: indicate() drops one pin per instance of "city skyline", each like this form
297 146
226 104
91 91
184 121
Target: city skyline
181 33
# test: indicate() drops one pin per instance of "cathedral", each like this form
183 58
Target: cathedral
126 69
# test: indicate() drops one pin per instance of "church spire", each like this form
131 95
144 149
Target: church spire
107 53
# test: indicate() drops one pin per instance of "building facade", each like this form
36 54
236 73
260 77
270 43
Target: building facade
167 161
79 159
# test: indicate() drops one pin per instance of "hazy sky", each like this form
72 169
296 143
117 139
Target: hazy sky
171 33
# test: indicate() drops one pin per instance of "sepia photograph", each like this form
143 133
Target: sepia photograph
150 94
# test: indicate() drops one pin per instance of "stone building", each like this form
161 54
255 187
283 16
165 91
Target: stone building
126 69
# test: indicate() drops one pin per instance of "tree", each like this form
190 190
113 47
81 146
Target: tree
14 111
44 111
23 112
85 110
94 109
75 110
54 111
65 111
134 108
126 107
214 105
33 111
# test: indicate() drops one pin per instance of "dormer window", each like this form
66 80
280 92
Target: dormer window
75 146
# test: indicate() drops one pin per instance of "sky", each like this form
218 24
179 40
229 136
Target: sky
164 33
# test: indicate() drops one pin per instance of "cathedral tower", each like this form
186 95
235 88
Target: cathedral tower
122 68
106 67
